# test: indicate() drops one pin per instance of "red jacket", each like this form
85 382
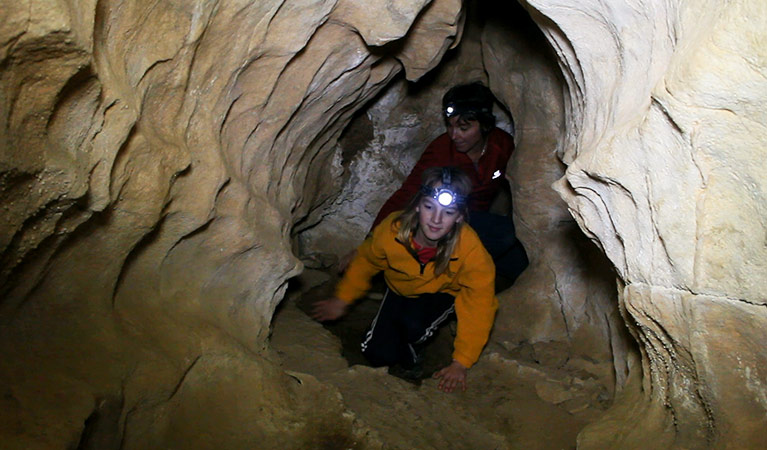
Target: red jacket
486 180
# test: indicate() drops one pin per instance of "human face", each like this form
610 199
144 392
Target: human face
465 134
434 221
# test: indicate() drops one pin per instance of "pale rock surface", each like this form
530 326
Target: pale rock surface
664 144
229 399
379 23
158 158
567 295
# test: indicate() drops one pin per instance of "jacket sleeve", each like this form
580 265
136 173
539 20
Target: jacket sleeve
370 259
411 185
475 305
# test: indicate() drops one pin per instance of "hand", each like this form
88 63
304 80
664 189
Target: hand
329 309
452 377
343 263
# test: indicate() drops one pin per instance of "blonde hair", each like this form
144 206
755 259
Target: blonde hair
408 220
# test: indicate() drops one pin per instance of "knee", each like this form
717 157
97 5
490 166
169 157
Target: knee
414 329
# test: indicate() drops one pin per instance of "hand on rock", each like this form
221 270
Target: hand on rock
329 309
452 377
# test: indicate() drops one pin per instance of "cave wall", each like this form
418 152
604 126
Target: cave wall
563 309
154 158
664 147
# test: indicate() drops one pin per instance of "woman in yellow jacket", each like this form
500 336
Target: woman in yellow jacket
434 264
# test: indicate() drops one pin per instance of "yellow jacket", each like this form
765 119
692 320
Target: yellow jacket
472 282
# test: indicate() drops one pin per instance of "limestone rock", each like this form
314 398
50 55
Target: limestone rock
225 398
154 159
158 161
668 182
435 31
380 22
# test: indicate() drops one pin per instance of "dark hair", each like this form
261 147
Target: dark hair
471 101
460 184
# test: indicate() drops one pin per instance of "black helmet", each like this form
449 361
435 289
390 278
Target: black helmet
472 101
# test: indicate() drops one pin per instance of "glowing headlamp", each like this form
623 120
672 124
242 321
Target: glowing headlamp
461 108
444 195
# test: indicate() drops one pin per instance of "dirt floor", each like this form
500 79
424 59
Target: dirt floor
510 403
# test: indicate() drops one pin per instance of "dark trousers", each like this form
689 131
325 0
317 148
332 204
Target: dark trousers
499 238
403 326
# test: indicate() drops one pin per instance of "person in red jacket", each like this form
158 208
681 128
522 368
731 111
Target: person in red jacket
475 145
472 143
433 265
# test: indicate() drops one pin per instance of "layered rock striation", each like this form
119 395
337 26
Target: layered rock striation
157 158
154 158
663 147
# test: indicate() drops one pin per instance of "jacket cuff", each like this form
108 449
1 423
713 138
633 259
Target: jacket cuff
464 362
345 297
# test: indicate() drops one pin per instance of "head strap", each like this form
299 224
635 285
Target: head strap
460 108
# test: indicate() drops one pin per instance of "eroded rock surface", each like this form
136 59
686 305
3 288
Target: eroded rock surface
157 156
154 159
666 174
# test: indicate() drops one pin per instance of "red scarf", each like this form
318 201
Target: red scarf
425 254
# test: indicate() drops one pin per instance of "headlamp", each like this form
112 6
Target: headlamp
464 107
444 195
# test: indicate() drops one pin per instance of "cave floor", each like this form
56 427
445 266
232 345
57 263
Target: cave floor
509 404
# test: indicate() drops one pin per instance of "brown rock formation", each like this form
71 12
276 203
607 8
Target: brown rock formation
154 158
158 158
